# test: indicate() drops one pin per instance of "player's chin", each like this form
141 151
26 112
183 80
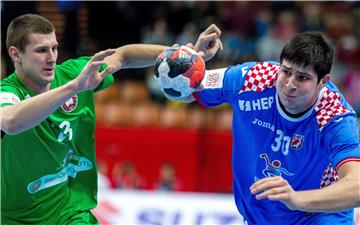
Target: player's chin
289 105
49 77
46 80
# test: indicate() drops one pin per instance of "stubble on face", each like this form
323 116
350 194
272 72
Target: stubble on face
297 87
38 61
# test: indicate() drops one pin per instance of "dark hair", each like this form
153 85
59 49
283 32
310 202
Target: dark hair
309 48
20 28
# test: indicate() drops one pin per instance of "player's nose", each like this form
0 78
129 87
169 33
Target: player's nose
290 83
51 57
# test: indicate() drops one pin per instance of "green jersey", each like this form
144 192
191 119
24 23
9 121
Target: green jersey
48 173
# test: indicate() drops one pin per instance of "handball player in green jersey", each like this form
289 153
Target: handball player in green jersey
48 166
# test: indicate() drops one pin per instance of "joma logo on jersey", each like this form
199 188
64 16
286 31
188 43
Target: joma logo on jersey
256 104
261 123
70 104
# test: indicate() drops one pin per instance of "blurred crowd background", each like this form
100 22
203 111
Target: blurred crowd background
252 31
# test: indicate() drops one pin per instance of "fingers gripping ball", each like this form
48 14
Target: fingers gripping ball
179 71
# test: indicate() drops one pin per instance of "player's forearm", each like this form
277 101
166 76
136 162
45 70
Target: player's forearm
135 56
30 112
342 195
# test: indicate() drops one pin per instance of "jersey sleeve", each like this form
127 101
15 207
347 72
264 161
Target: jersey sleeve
73 68
9 95
221 85
342 137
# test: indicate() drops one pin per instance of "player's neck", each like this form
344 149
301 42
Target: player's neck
297 115
32 85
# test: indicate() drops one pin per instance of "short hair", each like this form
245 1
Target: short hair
19 29
309 48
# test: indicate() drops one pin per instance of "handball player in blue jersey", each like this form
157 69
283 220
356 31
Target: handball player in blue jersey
296 155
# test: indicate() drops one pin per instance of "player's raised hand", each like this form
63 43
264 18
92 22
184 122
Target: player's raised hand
209 42
276 189
90 77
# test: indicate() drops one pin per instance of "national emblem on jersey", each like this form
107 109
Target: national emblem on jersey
297 141
328 107
329 176
70 104
260 77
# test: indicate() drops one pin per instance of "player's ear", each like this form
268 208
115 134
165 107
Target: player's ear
324 80
14 54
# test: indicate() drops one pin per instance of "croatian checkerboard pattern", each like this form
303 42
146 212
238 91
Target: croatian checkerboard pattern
329 176
260 77
328 107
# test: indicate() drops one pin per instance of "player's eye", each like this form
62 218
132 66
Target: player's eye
287 72
41 50
302 78
55 48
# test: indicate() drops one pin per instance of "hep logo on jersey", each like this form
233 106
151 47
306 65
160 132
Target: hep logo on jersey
70 104
297 141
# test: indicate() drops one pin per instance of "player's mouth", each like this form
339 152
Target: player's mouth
288 96
49 70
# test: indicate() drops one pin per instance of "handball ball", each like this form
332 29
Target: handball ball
179 71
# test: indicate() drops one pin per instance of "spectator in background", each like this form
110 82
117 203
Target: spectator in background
312 16
263 20
71 29
268 46
159 34
125 176
167 178
351 77
187 35
286 26
103 179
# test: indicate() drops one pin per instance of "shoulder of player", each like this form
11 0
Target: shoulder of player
10 94
259 76
331 107
248 76
11 84
9 80
76 63
72 67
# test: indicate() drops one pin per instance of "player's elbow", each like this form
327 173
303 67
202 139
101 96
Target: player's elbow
8 124
356 193
357 201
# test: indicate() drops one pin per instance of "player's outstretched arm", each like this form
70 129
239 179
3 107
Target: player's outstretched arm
134 56
339 196
30 112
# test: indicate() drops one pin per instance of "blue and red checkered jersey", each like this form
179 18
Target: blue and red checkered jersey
307 151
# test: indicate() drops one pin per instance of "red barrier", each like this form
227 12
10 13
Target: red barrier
202 159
